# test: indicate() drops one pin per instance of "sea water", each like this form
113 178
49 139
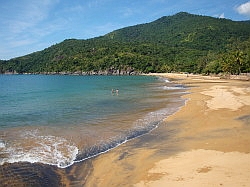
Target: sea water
60 120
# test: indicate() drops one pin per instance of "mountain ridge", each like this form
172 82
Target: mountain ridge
170 43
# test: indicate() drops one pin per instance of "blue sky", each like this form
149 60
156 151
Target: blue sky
32 25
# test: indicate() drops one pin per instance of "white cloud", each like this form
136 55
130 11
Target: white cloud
244 9
222 15
24 24
25 16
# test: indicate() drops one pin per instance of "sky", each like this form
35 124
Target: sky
27 26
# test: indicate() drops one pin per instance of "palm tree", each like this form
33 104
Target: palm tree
238 58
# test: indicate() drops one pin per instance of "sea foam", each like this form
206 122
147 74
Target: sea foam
50 150
60 152
2 144
173 87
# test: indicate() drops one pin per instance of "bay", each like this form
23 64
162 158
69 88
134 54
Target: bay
60 120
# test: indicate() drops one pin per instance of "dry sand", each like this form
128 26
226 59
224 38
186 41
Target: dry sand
202 168
208 142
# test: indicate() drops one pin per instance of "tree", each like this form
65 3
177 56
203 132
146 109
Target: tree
238 58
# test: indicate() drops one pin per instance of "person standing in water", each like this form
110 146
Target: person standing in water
115 91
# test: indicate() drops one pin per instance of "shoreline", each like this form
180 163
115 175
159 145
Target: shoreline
205 143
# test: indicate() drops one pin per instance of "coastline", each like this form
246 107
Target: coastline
205 143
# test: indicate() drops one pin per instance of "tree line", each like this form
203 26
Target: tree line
179 43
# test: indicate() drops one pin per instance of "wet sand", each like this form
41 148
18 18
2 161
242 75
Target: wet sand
206 143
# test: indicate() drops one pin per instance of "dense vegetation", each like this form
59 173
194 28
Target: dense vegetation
183 42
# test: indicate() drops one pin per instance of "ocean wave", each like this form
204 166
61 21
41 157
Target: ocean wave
140 128
43 149
64 121
177 87
164 79
2 144
104 146
62 153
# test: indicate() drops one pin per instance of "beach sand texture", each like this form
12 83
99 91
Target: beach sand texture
206 143
202 168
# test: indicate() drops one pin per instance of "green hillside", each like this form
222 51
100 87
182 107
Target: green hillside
182 42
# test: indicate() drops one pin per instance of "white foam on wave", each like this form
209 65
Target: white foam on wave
173 88
50 150
140 127
163 79
2 144
60 152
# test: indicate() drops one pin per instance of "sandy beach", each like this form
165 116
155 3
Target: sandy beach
205 143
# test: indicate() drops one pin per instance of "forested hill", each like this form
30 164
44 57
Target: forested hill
182 42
